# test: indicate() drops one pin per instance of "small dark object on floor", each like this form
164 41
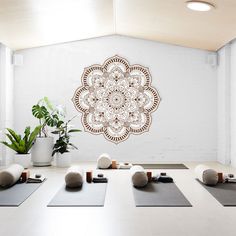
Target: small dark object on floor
162 178
230 180
24 176
220 177
89 176
155 179
100 175
163 174
149 175
38 176
165 179
113 164
100 180
35 180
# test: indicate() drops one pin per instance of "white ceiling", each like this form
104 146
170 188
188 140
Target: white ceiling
33 23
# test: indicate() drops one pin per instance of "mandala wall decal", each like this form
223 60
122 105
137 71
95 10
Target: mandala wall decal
116 99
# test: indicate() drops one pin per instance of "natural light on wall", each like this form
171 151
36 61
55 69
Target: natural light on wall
199 5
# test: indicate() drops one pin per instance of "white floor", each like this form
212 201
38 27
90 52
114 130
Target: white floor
119 216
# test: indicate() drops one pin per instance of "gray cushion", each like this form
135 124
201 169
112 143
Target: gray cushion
74 177
104 161
206 175
10 175
139 176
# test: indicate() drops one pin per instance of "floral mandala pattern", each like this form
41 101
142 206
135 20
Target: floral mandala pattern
116 99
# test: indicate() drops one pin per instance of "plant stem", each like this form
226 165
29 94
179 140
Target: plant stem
40 132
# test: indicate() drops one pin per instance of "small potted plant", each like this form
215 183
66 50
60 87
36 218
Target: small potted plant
48 116
63 145
22 145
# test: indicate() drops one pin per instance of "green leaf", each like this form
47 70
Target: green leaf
10 146
55 132
10 138
51 120
13 142
54 152
33 136
21 145
39 111
59 123
63 143
72 145
27 133
14 135
48 103
74 130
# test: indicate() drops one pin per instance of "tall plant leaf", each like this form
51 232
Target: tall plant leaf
22 147
14 135
74 130
51 120
39 111
72 145
48 103
10 146
18 144
14 143
27 133
33 136
63 143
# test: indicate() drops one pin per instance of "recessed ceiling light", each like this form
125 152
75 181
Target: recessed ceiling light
199 5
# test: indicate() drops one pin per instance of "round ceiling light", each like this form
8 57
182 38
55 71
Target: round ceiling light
199 5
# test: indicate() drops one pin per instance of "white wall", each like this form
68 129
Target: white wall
184 126
226 77
233 103
223 104
6 99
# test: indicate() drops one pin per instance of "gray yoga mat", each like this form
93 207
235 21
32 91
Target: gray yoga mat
163 166
225 193
89 195
160 195
17 194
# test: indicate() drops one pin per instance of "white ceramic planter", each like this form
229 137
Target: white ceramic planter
23 160
63 160
42 151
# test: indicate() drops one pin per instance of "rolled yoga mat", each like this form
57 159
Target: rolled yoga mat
10 175
160 195
74 177
17 194
138 176
88 195
206 175
224 193
104 161
163 166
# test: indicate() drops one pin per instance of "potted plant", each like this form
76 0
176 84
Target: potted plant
48 116
63 145
22 145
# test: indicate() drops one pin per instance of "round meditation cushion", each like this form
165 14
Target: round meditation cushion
74 177
206 175
104 161
139 176
10 175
